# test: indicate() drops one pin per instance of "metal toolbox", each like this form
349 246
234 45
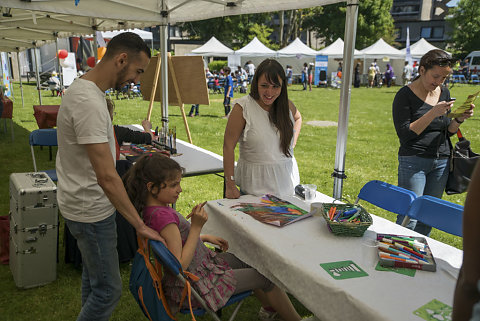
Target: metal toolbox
33 229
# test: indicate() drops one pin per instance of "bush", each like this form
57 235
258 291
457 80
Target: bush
217 65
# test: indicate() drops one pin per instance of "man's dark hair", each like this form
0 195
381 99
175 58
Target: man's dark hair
128 42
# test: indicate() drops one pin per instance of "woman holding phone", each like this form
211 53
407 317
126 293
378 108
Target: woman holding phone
420 117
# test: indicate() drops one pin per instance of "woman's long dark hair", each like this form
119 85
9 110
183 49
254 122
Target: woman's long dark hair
155 168
279 114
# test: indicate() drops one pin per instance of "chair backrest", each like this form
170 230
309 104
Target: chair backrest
438 213
167 259
387 196
44 137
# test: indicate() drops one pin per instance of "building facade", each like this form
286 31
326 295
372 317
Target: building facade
425 19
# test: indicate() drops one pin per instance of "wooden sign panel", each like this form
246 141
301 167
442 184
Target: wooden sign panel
190 76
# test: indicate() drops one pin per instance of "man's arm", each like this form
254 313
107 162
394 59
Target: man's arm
108 179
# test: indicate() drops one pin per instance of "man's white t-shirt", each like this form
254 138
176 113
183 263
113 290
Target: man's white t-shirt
82 119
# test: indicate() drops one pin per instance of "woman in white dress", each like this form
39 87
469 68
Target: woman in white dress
266 125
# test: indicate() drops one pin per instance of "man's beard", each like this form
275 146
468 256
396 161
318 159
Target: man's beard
120 77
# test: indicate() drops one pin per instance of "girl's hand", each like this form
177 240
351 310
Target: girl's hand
231 191
216 240
198 215
467 114
442 108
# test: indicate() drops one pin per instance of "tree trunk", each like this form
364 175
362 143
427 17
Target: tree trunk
280 27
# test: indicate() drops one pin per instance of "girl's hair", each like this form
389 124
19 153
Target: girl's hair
156 168
279 114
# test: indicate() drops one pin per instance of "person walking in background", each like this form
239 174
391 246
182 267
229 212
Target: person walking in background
227 90
423 128
372 71
89 188
356 81
266 124
310 75
305 76
407 73
195 108
466 302
389 75
289 75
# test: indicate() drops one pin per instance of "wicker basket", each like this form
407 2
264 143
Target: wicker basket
347 228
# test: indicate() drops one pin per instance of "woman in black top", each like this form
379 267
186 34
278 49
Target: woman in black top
423 128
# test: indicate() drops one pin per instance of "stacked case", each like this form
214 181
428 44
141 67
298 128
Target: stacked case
33 229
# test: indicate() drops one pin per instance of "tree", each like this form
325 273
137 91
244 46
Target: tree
233 31
465 23
374 22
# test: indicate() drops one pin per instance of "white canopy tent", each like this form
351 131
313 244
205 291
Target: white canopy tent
164 12
296 49
335 49
379 50
255 49
419 48
213 48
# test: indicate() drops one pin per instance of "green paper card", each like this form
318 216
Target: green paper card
404 271
434 311
343 270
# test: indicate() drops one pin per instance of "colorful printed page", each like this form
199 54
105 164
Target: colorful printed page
343 270
464 107
434 311
272 210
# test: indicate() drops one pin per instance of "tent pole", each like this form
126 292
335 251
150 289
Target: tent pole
348 53
20 76
37 75
60 71
164 74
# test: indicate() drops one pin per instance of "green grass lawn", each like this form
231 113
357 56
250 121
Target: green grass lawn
371 154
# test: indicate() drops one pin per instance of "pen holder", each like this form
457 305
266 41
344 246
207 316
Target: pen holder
347 228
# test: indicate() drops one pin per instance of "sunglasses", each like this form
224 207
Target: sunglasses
443 62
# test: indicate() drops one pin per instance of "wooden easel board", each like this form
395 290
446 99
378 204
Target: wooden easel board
190 77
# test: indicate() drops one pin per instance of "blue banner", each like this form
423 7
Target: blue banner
321 63
5 74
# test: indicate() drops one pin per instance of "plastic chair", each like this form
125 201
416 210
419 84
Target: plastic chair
440 214
387 196
44 137
169 261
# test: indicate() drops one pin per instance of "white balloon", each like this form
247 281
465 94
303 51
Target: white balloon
63 63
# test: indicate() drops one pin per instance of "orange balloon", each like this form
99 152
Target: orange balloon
101 52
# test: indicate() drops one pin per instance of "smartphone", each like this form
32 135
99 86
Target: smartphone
452 99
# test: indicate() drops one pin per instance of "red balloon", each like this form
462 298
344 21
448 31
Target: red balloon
62 54
91 62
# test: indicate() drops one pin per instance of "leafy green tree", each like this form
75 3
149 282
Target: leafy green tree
374 22
233 31
465 23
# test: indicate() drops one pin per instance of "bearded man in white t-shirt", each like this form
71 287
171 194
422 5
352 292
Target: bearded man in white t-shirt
89 188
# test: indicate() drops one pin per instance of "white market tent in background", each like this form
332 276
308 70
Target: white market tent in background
255 49
146 35
335 49
419 48
296 49
379 50
144 13
213 48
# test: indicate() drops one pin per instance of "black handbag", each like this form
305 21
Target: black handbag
462 163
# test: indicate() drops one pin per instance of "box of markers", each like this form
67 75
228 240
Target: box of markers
405 251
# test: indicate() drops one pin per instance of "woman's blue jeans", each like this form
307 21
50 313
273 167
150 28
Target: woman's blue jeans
424 176
101 281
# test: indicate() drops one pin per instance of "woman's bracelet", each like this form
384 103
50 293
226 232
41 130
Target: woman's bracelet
458 121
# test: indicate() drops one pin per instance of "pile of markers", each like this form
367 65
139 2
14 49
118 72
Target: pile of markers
167 139
351 215
402 249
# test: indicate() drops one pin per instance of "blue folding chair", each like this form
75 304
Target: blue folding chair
387 196
169 261
44 137
440 214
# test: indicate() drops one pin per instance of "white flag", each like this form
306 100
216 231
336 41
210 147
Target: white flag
408 55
